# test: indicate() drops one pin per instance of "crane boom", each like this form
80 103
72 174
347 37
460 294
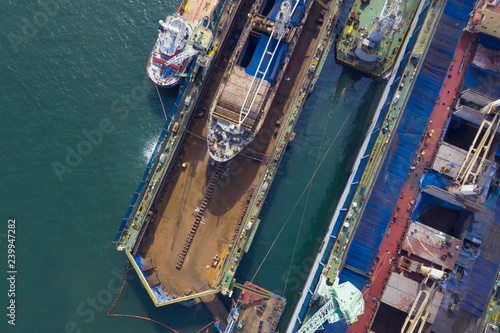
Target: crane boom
179 58
467 177
346 302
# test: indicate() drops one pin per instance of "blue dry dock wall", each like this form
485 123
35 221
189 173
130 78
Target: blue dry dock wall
412 126
154 156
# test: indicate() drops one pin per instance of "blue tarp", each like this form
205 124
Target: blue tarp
485 267
426 201
482 80
481 279
274 65
487 183
434 178
297 14
412 126
490 42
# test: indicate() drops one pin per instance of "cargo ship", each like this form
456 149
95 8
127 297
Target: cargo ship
371 43
180 37
192 219
419 235
245 96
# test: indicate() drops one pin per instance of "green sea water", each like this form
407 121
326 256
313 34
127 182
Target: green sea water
79 122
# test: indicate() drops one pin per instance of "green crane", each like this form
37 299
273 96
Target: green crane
344 302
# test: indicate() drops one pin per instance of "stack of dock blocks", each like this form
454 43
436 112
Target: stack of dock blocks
199 215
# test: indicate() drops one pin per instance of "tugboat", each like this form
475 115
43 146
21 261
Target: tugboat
180 37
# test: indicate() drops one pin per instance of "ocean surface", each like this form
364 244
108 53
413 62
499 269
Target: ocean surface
79 120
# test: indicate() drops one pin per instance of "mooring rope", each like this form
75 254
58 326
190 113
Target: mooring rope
159 96
308 185
205 326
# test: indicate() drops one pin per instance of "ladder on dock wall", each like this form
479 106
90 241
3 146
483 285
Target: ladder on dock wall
199 215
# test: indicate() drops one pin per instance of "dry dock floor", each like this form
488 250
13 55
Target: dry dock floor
180 200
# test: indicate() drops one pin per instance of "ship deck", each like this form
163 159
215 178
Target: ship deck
396 231
233 98
195 10
364 13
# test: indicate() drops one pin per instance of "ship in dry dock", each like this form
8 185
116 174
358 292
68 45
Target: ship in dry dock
248 88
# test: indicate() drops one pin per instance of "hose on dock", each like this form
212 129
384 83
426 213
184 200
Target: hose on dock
201 329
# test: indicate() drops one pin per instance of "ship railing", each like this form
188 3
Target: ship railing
245 110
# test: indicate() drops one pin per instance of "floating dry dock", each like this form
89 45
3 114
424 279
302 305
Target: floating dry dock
192 219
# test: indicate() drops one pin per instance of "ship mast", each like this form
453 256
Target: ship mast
387 19
279 30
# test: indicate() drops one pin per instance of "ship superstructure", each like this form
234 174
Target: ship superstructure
242 102
180 37
371 43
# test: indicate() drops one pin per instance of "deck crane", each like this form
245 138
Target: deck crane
344 301
421 307
386 20
466 181
280 28
179 58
